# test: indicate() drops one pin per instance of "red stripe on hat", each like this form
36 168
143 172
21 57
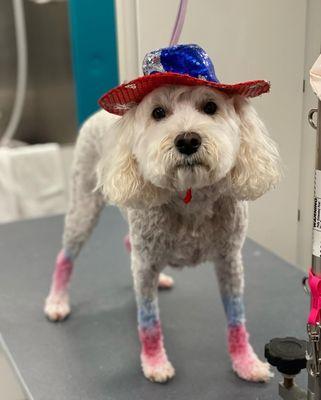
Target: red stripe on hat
122 95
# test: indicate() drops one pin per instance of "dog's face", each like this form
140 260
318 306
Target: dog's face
185 137
182 137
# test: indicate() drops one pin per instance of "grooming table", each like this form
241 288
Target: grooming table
94 355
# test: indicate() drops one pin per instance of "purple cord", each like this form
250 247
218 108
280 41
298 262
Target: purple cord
179 22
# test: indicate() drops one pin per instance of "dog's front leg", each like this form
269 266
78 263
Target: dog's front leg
155 363
245 363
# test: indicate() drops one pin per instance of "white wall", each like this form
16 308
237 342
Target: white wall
246 39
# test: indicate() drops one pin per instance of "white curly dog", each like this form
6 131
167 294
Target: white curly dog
176 138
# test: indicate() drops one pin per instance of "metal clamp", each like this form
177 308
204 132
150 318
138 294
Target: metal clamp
313 351
305 284
310 118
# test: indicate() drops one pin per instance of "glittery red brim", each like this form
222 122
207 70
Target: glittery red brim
120 99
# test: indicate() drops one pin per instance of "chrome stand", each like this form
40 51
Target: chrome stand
313 329
289 354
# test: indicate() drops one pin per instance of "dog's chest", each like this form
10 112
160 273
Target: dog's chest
192 241
167 237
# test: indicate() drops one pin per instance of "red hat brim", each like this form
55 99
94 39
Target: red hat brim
123 97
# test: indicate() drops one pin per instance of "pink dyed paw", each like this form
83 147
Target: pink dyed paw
249 367
57 307
165 281
244 360
157 370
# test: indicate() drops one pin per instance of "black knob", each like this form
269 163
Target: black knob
286 354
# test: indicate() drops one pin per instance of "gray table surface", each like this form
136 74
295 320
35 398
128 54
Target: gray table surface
94 355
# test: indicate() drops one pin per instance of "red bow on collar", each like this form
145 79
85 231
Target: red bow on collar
188 196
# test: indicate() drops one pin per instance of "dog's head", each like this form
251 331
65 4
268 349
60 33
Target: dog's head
182 137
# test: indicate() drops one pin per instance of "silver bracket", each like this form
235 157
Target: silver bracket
313 352
292 393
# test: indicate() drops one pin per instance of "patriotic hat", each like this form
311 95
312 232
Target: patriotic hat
185 64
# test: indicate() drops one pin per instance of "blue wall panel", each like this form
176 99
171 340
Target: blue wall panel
94 51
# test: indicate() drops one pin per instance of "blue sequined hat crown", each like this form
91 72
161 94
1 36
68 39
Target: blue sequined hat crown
189 59
184 64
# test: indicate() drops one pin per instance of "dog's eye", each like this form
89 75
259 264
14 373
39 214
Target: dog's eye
158 113
210 108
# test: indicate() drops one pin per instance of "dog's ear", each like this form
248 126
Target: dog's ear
118 175
257 167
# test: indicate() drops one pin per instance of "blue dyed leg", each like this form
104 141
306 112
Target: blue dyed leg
155 364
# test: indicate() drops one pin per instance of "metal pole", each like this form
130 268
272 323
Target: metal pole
314 353
316 260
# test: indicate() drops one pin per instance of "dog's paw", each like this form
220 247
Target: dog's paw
165 281
159 373
57 307
249 367
157 370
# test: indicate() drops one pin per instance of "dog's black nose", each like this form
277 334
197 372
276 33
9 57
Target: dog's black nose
188 142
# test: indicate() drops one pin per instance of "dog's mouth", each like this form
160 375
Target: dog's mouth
191 164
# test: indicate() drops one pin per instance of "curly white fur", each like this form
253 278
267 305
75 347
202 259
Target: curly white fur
141 167
132 162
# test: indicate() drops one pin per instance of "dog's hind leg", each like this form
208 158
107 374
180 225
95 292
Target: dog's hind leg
84 209
164 281
245 363
154 360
